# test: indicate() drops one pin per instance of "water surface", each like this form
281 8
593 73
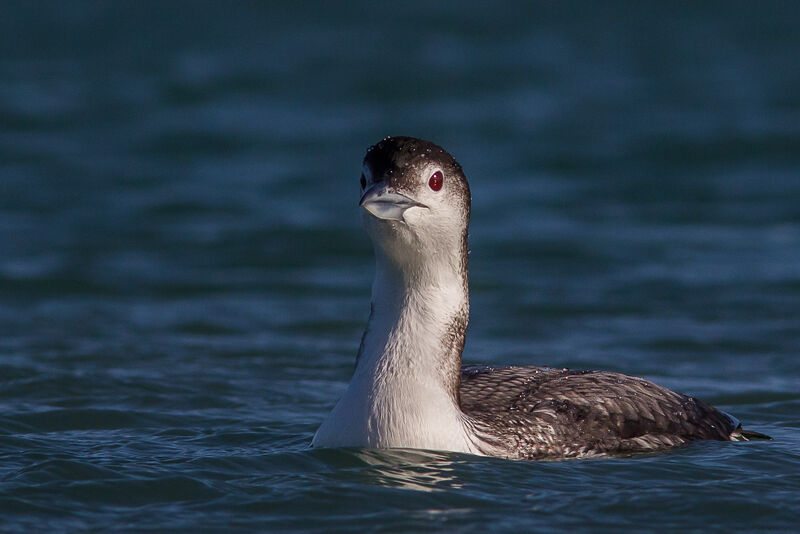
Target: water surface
184 279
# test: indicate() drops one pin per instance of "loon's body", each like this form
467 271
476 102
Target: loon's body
409 389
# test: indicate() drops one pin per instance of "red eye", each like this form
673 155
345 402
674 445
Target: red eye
436 181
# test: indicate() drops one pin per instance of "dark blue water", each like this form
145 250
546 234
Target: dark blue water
183 277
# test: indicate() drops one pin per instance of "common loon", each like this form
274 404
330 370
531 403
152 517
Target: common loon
409 389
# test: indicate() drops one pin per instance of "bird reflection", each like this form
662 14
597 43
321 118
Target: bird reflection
408 469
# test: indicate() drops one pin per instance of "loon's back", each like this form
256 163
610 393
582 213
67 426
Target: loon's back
539 412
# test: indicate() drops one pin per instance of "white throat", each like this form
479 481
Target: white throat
404 392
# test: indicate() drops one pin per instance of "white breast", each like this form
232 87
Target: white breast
397 396
416 417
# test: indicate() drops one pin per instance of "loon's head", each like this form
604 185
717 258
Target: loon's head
416 200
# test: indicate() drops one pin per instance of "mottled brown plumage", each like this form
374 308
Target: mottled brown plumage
540 412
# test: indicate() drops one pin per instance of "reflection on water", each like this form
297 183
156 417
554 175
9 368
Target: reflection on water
411 469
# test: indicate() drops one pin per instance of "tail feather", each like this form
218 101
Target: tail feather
751 435
741 434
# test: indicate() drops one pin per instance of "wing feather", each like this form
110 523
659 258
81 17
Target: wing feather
539 412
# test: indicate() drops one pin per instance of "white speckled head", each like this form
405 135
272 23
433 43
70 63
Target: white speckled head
416 201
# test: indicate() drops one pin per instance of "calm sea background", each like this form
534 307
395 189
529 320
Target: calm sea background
184 278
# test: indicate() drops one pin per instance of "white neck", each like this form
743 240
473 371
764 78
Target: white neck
404 392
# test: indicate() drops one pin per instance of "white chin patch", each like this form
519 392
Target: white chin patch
389 206
386 211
